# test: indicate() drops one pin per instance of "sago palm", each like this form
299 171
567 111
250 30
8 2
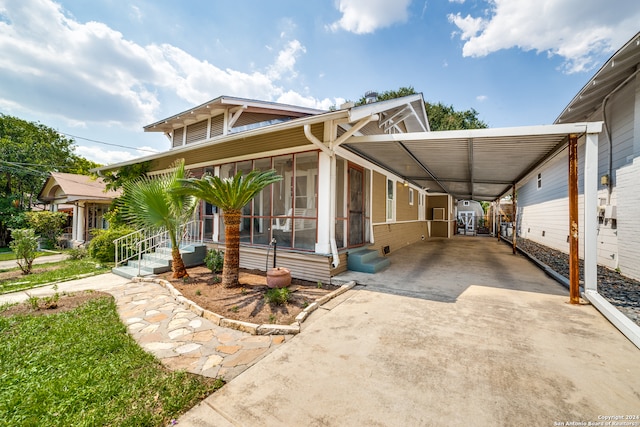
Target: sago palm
230 195
149 202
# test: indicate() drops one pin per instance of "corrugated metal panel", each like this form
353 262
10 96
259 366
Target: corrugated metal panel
177 137
196 132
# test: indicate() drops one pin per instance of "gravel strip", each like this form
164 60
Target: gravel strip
622 292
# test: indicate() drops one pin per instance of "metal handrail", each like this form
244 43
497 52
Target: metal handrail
136 244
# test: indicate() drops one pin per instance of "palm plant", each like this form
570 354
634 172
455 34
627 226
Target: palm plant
149 202
230 195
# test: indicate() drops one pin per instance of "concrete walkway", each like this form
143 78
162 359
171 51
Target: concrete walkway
4 265
456 332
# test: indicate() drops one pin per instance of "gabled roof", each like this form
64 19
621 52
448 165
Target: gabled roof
406 114
218 106
621 66
71 187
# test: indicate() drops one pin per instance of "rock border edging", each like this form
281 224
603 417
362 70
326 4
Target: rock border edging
251 328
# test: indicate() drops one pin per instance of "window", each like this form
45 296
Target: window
539 180
285 210
465 203
411 196
390 191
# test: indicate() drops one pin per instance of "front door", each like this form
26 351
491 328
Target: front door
356 206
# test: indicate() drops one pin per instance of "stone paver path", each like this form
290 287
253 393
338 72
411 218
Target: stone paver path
183 340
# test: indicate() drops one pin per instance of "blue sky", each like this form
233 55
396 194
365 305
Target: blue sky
103 69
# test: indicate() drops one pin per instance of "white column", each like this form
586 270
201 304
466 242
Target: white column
326 182
216 216
590 212
74 225
81 221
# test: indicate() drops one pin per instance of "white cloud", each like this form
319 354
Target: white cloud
88 73
579 31
135 13
286 61
366 16
481 98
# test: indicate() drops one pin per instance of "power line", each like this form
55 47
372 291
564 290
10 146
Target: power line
107 143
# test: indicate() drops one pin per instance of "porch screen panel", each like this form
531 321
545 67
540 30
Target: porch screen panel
282 223
262 208
245 221
306 190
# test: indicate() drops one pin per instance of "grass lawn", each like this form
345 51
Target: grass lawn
10 256
81 368
49 273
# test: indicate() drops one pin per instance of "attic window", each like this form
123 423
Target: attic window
539 180
465 203
257 125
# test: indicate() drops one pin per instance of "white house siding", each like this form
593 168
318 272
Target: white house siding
547 209
628 213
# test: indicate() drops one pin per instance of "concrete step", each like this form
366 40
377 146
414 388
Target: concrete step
366 261
151 267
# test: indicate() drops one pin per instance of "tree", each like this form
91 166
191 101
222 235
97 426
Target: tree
230 195
150 202
445 117
24 246
29 151
441 116
115 180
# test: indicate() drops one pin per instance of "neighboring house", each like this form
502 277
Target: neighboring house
370 176
612 95
84 198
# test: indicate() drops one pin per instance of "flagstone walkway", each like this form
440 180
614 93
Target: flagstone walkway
181 339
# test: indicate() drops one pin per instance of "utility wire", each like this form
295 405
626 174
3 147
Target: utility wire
107 143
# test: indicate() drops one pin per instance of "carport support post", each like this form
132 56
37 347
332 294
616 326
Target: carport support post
513 216
574 273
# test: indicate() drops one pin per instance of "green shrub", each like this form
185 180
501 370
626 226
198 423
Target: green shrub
77 253
214 260
48 225
278 296
24 245
101 246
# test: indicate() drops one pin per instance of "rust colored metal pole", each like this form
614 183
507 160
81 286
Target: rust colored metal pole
513 216
574 270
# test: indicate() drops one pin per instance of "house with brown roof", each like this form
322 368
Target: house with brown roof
83 197
360 181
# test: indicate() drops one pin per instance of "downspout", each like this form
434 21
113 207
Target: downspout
332 156
608 131
332 200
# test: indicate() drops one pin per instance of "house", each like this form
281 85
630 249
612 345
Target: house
84 198
612 96
359 182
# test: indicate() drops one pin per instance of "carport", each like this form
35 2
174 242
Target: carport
487 164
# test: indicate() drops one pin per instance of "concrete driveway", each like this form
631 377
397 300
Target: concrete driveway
456 332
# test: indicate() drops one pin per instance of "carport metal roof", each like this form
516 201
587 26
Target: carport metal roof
478 164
